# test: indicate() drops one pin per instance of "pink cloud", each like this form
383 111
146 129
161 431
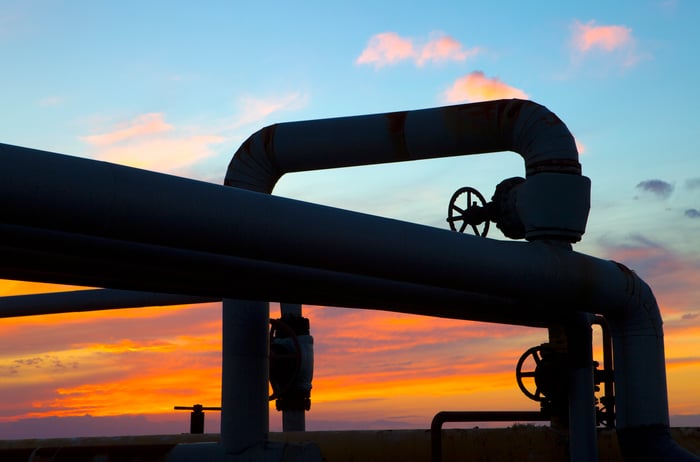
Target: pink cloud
149 142
444 49
477 87
608 38
390 48
615 40
171 155
386 48
143 125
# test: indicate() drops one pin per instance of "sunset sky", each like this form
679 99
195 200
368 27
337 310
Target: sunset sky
176 87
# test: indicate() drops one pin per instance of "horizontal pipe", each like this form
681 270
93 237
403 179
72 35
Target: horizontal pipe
521 126
90 300
113 217
32 254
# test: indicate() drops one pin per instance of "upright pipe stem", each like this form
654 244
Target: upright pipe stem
244 375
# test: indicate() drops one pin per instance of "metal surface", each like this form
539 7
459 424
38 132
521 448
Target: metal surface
583 444
294 418
245 353
90 300
196 416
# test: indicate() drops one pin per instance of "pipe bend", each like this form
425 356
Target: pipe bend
522 126
640 374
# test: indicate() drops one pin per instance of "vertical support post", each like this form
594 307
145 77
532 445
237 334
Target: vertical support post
197 420
245 419
294 419
583 441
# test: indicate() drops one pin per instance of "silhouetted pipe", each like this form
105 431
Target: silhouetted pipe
90 300
114 217
552 204
521 126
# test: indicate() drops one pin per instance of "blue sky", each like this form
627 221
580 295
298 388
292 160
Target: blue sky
177 86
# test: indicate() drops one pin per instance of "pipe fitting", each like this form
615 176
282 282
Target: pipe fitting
554 206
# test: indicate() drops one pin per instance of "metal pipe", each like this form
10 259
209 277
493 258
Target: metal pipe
553 203
443 417
515 125
90 300
583 441
140 212
245 353
294 420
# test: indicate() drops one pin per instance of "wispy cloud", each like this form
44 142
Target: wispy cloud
477 87
386 48
390 48
256 109
658 188
617 40
692 213
148 141
51 101
589 36
141 126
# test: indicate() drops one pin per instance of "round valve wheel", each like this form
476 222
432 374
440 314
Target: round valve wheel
466 204
541 370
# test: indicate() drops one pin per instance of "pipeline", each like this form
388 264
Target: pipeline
549 150
554 202
141 230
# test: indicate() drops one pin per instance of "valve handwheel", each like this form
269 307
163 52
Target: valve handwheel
467 208
539 374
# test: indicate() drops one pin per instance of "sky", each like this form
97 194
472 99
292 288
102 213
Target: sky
176 87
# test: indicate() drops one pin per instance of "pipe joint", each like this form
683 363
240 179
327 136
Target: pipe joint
554 206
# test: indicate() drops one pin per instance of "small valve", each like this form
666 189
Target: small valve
468 208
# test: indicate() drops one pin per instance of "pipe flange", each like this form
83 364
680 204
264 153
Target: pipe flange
506 214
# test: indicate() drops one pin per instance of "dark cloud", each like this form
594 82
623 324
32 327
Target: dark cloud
693 183
689 316
659 188
692 213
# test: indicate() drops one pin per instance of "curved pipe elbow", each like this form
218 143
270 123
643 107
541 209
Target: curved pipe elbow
521 126
640 375
553 203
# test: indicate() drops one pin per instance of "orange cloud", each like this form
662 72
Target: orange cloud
608 38
444 49
150 143
477 87
390 48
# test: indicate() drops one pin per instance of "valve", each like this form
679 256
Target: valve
291 363
548 373
544 367
469 210
464 211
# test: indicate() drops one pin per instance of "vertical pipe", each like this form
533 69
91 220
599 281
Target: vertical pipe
244 375
583 443
293 420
